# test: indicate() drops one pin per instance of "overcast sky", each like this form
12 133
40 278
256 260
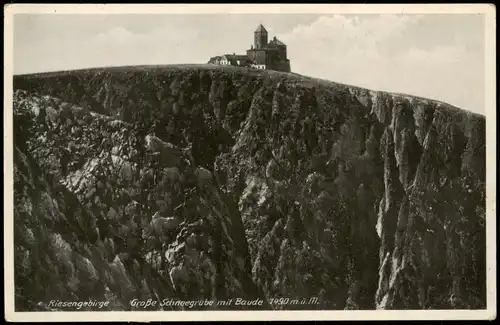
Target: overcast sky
435 56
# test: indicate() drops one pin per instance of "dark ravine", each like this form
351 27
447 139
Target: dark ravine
213 183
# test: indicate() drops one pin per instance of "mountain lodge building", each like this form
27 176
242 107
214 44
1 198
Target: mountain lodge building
261 55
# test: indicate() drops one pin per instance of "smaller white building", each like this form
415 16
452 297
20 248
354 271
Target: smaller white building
225 60
231 59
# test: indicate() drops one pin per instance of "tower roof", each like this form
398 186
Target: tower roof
260 29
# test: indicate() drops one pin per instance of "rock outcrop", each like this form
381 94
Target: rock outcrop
218 183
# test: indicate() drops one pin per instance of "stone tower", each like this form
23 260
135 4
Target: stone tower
260 37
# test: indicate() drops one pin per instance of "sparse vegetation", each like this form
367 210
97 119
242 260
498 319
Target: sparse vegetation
217 182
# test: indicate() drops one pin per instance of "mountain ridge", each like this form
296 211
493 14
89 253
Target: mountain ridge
240 69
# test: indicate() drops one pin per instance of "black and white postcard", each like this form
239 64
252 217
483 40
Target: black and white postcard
249 162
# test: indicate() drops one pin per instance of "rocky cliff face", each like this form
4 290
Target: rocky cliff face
216 183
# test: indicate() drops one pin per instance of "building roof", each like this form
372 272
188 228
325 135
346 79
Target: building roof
260 29
233 58
276 41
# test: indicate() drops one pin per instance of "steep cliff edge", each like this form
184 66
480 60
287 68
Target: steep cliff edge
217 183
